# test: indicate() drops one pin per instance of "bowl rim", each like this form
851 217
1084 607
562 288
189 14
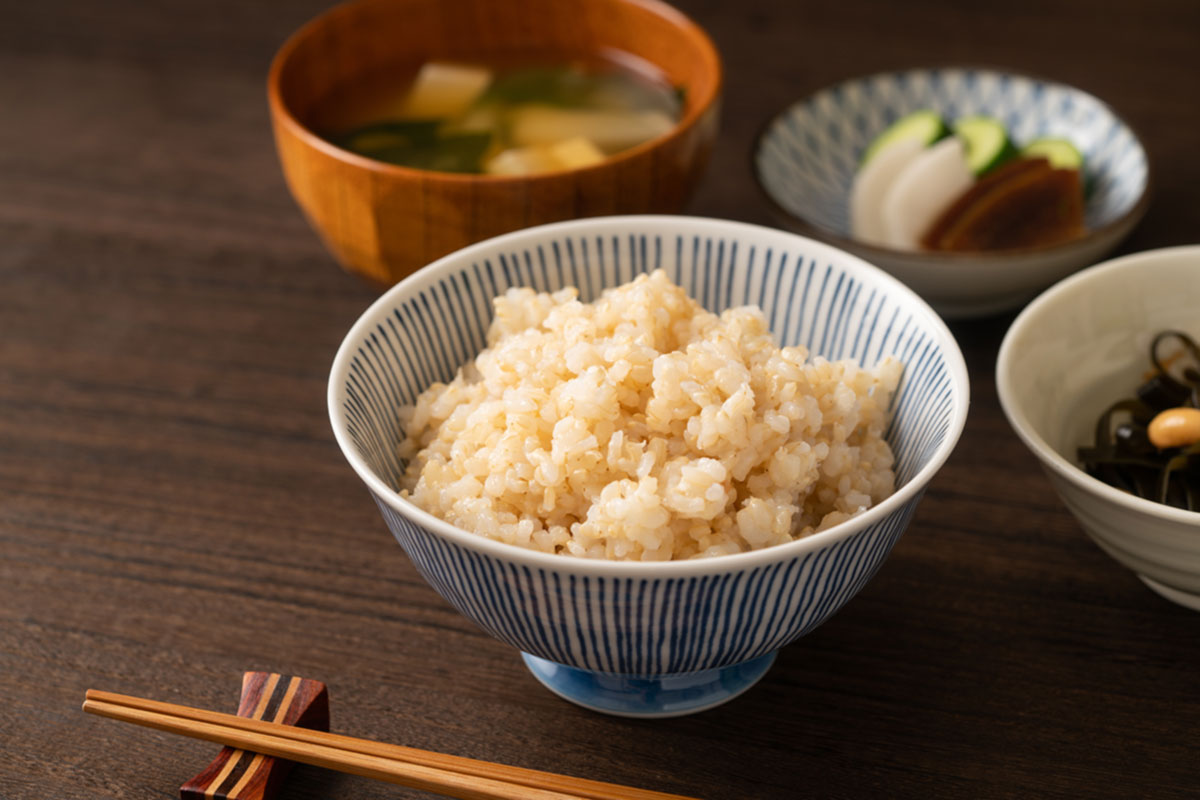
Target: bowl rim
936 257
1019 421
282 114
911 491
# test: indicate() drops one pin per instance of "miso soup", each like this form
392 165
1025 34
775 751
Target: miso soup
502 119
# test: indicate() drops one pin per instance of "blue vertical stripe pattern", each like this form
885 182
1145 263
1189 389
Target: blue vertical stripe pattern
648 627
652 626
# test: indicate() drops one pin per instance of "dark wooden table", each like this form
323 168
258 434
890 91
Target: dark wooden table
173 508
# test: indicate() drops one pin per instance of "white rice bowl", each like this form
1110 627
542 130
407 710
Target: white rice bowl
643 427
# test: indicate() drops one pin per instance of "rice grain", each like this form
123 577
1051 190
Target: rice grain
643 427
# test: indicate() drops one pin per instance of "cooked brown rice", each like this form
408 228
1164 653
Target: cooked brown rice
643 427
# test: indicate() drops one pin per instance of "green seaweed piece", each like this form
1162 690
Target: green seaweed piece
680 93
387 134
461 152
1170 476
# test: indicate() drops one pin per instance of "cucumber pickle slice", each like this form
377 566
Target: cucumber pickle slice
925 126
1059 152
986 142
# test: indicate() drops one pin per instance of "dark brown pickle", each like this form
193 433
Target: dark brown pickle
1024 203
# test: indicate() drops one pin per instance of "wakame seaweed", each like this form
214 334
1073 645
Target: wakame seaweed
1123 454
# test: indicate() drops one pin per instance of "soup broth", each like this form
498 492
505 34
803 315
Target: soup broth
502 119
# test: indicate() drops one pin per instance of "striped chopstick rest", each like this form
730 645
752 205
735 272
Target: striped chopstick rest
240 775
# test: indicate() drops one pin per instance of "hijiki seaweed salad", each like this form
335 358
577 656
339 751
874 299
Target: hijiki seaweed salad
1149 445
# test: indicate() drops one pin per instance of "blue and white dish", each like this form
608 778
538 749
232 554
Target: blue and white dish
806 159
639 638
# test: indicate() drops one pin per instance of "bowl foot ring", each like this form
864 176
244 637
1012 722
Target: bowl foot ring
647 698
1177 596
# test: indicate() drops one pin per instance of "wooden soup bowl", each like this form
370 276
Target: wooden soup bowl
386 221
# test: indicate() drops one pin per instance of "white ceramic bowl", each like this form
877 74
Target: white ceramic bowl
1075 350
639 638
807 156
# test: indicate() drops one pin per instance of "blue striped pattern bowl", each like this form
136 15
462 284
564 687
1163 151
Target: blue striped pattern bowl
664 638
806 159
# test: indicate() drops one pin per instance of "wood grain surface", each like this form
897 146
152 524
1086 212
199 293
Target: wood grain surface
174 511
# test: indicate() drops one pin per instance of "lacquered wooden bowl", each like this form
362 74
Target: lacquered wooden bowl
386 221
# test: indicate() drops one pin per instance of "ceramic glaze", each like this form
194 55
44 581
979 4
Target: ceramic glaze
1089 337
807 157
633 622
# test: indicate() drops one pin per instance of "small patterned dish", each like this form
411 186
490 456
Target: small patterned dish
806 158
649 639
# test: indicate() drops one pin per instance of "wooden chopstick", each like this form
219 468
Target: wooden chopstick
454 776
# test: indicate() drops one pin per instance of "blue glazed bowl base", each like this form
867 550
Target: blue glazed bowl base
648 698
